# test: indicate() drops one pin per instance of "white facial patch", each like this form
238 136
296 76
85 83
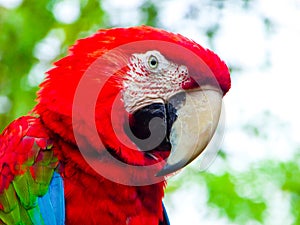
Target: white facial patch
151 79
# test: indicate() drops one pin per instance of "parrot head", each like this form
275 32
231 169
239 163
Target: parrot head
149 95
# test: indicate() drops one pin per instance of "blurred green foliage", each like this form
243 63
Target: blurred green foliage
239 196
231 204
21 30
245 196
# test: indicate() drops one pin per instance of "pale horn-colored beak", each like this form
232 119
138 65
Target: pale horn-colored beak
194 127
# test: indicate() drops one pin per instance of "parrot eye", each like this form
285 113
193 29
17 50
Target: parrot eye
153 62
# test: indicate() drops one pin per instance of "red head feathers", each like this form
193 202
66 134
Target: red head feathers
56 97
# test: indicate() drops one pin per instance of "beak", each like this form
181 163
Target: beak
196 122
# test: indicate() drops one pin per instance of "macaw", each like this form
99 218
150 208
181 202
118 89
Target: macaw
122 111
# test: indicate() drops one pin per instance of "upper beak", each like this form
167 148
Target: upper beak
194 127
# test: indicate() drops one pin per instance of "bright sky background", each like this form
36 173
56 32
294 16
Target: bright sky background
264 96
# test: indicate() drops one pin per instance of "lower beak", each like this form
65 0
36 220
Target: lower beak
193 129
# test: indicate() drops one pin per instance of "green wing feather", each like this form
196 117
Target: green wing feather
27 164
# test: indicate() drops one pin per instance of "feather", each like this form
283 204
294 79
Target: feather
166 220
52 204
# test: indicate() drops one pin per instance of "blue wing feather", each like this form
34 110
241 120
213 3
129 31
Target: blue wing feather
52 205
166 220
47 210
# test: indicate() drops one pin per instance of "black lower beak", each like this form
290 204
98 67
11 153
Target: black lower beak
150 127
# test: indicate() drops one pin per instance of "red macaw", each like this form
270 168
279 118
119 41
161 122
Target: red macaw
125 108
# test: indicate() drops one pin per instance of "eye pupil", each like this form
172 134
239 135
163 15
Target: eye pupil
153 62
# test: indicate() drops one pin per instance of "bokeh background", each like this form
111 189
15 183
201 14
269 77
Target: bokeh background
255 178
